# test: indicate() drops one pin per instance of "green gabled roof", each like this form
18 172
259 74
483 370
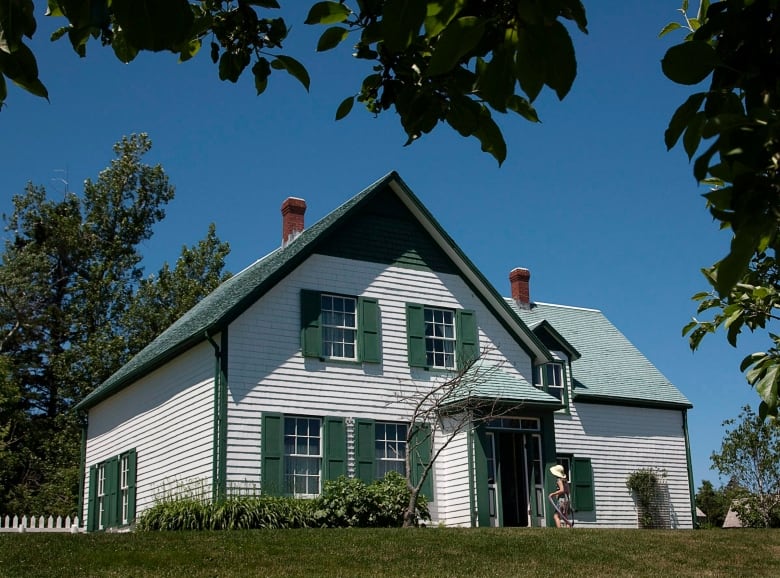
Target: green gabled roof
487 381
215 312
611 369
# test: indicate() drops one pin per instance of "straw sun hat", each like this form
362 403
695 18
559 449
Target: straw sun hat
557 471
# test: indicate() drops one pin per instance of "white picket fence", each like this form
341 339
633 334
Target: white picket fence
40 524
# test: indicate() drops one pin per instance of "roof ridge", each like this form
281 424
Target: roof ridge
560 305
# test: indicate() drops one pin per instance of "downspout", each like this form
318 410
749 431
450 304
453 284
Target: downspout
472 477
218 472
690 467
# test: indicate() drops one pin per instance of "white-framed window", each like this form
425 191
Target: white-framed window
339 327
302 455
390 448
550 376
124 487
440 338
101 495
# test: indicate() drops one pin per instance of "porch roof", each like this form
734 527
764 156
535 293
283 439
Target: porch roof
488 382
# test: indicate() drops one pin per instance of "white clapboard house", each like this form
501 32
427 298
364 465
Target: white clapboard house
291 373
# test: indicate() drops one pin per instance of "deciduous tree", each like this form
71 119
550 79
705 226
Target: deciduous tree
432 61
750 457
732 47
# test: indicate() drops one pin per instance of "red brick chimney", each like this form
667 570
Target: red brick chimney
518 279
293 210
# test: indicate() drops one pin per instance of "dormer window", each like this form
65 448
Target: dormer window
549 377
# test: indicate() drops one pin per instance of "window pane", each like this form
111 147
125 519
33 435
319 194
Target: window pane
390 448
440 337
339 324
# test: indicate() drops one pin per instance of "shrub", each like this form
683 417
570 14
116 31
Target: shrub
349 502
345 502
644 484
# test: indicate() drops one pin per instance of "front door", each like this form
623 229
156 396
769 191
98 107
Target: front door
510 473
513 478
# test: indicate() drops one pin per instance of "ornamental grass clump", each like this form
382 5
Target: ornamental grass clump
239 513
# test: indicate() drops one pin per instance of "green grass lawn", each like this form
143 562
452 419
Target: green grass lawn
395 552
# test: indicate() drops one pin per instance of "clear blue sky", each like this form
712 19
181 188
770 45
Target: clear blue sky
590 200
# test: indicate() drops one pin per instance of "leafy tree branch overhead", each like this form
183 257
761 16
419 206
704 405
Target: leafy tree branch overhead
733 46
451 61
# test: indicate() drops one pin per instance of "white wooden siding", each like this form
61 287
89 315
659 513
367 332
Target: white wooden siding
620 440
268 373
168 418
453 500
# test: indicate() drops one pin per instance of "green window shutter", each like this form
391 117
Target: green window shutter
311 329
92 512
335 445
582 482
365 441
467 337
415 335
113 510
482 449
368 318
132 460
421 457
272 453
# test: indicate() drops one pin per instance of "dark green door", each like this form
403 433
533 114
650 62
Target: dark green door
513 479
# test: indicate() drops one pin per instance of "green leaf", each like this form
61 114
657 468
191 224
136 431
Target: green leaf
463 115
689 62
327 13
59 33
530 64
668 28
751 359
261 71
16 20
681 117
733 266
490 136
720 198
574 10
401 23
331 38
440 14
231 65
522 107
701 165
692 136
294 68
496 79
21 67
53 8
124 51
457 40
189 49
767 388
688 326
345 107
561 62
